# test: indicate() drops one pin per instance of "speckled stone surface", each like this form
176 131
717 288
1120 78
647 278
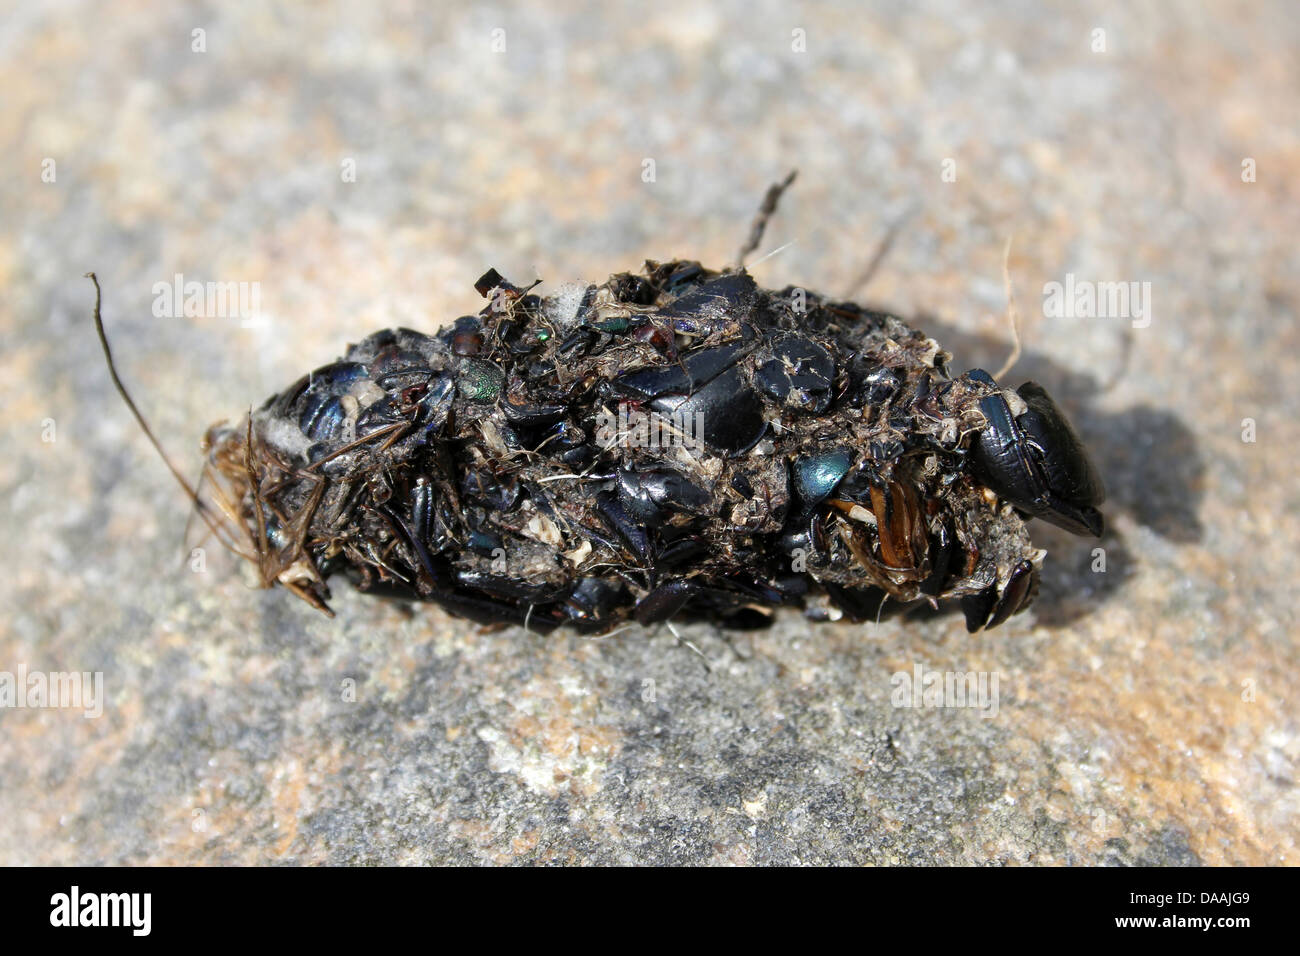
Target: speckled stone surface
1146 714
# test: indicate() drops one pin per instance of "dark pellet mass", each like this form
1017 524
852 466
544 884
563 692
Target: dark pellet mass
676 443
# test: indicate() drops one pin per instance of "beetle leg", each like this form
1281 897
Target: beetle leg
978 606
664 602
1014 595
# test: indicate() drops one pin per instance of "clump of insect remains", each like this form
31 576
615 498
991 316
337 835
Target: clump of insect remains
494 466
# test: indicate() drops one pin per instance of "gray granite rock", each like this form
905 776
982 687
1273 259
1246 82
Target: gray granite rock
1145 714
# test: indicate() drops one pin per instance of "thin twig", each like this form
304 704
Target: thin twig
765 211
200 507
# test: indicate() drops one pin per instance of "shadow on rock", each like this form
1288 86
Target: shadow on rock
1148 458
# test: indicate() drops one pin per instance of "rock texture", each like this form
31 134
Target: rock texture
363 170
